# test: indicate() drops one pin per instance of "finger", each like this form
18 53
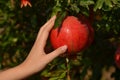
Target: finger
47 24
46 30
56 53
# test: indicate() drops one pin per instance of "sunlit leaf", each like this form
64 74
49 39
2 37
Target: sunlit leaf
86 3
108 3
115 1
63 75
99 4
54 78
75 8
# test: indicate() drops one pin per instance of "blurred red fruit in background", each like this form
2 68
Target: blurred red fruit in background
117 57
24 3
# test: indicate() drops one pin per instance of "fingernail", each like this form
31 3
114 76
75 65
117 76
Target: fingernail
54 16
64 48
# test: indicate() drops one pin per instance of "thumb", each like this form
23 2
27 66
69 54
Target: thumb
56 52
59 51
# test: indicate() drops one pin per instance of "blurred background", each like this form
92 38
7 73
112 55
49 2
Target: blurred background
19 28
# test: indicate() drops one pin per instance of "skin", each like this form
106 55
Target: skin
37 58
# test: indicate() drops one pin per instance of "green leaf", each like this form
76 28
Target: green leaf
86 3
46 73
108 3
75 8
99 4
54 78
114 1
63 66
60 18
56 9
63 75
107 27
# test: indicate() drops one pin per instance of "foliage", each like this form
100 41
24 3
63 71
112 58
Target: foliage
19 27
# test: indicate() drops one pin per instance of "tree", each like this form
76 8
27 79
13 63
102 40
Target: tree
19 27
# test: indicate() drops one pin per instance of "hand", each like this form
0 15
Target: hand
37 58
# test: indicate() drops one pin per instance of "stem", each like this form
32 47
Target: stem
67 66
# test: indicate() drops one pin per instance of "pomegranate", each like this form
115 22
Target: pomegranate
117 57
72 33
87 21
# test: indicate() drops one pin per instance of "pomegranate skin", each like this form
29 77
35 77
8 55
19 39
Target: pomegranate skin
72 33
87 21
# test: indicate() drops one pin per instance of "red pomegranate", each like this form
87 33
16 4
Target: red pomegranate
117 57
72 33
87 21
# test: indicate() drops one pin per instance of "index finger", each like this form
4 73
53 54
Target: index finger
42 38
47 26
49 23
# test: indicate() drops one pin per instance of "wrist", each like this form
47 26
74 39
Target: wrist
26 68
16 73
